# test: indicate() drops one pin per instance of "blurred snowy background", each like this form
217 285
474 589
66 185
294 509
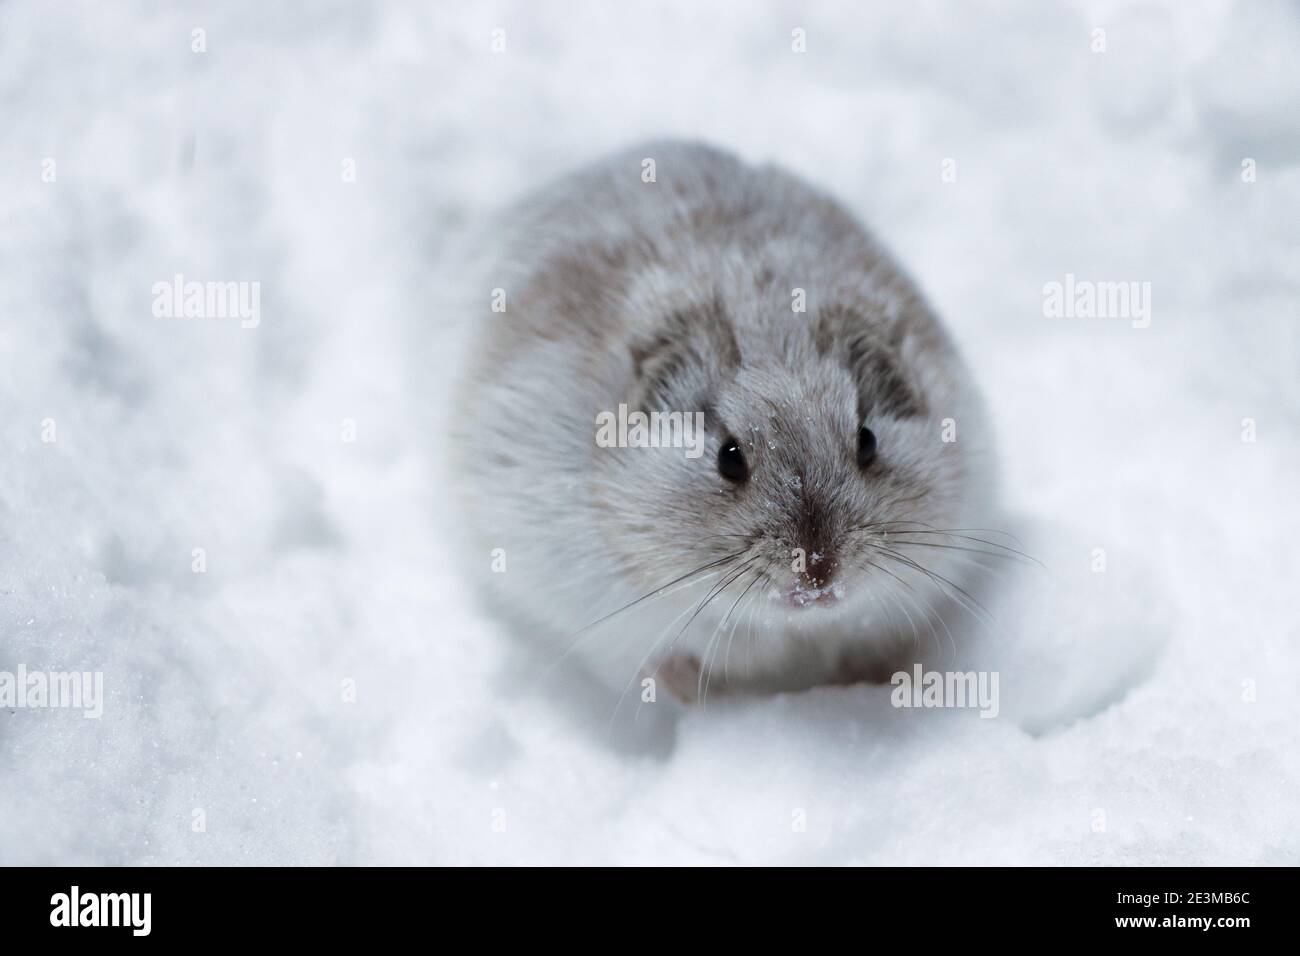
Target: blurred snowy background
1150 712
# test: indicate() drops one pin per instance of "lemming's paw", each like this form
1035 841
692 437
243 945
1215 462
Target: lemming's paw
678 676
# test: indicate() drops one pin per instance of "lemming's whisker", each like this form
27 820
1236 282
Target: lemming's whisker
654 647
940 580
749 626
886 570
644 597
931 612
935 575
1003 551
930 527
728 578
701 576
725 618
925 609
889 591
957 533
729 574
702 682
967 558
726 660
954 547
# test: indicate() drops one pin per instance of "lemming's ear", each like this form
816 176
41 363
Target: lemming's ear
872 358
677 362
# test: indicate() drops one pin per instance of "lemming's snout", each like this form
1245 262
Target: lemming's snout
814 560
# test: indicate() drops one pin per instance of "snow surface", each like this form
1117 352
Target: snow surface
1149 713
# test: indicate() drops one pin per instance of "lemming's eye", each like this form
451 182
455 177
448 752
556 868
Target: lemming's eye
866 446
731 461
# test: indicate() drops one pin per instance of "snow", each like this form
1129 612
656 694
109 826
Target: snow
327 691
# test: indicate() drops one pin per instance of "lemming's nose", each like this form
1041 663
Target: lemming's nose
819 570
813 534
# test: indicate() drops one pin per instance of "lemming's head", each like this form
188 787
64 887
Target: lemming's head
824 463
